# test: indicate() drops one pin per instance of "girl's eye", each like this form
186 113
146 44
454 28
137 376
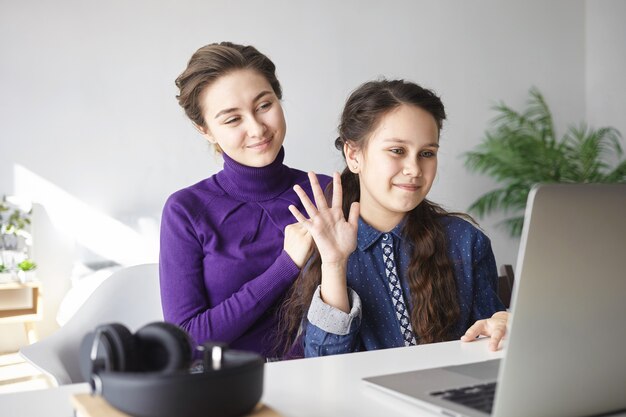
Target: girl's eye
397 151
231 120
427 154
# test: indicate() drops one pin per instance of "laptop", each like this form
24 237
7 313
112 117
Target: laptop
566 349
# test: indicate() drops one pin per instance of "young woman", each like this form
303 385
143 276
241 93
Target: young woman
228 251
400 270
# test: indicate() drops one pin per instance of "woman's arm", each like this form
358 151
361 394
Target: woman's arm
185 298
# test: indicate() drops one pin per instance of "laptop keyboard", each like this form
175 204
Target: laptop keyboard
478 397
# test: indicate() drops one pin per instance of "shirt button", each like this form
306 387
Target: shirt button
386 236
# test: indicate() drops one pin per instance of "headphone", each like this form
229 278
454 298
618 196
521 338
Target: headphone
152 373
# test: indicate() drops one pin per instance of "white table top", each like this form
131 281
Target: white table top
319 387
333 386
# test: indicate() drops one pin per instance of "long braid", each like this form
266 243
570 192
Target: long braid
431 275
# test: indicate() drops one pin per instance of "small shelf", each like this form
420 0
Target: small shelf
27 315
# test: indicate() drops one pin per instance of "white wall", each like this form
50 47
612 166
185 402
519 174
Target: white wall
606 64
89 122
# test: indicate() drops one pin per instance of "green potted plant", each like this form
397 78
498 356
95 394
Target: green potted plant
521 149
26 270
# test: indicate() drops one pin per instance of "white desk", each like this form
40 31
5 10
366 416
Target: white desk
332 386
320 387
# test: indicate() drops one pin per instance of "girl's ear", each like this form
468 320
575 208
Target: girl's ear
353 155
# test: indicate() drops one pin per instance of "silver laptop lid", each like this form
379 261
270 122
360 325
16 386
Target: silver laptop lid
565 355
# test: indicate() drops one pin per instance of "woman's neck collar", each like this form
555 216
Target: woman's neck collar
254 183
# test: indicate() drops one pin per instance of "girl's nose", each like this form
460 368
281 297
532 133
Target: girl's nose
412 168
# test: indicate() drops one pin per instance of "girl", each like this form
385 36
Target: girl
400 270
228 252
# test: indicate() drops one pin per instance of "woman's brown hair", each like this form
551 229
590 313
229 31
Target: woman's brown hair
430 274
213 61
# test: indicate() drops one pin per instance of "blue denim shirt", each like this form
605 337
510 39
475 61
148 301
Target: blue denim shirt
372 322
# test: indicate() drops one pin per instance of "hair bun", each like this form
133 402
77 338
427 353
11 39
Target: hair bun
339 143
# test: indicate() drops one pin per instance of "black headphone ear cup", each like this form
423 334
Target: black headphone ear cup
122 347
87 367
163 347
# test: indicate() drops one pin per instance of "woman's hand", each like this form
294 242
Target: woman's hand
334 236
298 243
494 327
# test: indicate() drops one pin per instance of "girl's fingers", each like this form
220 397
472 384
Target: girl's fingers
296 213
306 201
353 216
474 331
318 194
337 191
496 336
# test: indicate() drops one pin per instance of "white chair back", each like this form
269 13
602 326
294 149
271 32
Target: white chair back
130 296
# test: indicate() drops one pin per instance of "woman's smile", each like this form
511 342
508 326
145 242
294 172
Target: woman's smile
261 145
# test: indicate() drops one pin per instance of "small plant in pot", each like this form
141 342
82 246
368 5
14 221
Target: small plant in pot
521 149
26 270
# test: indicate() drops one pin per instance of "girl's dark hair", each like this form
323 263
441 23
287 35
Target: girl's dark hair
430 274
211 62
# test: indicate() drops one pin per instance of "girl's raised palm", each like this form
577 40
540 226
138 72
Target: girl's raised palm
334 236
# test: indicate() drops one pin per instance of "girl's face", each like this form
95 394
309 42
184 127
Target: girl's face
397 165
244 117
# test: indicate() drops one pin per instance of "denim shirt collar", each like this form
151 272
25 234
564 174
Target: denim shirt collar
367 235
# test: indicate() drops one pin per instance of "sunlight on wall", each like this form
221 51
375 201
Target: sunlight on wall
96 231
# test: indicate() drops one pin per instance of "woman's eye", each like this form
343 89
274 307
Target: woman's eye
231 120
264 106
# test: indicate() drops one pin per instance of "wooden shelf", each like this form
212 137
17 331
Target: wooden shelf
27 315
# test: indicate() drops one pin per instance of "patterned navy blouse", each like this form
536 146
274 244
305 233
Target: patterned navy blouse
374 321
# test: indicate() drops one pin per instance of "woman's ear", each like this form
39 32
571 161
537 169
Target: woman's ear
352 157
205 133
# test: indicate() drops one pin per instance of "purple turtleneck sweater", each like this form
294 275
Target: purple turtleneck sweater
223 270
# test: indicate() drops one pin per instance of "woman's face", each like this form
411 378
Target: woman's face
244 117
397 165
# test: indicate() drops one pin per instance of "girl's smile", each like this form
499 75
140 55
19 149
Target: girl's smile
408 187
